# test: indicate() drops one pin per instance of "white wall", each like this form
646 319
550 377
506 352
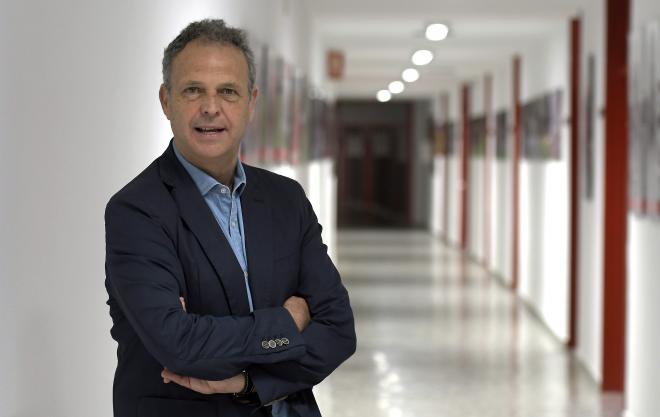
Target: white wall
501 179
422 160
643 321
544 194
476 208
452 163
437 196
590 250
80 117
544 186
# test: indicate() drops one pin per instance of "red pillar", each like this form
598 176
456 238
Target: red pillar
445 185
515 161
465 166
488 158
575 34
409 163
616 194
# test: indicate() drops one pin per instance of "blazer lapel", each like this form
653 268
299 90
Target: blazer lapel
258 227
197 215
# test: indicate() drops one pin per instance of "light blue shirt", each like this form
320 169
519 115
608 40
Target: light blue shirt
225 204
226 207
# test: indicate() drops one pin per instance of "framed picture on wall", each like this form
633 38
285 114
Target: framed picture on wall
478 136
541 127
639 133
440 140
501 135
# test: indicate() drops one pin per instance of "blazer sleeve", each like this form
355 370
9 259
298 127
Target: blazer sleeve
330 337
145 276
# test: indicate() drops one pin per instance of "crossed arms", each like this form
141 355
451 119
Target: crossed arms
146 277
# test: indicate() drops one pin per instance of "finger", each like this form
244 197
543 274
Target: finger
163 375
177 379
194 384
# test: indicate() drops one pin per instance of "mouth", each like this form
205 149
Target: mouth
209 130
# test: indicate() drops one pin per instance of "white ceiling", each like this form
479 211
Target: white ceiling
378 38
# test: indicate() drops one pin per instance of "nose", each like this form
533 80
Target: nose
211 105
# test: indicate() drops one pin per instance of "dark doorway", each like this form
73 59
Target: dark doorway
373 164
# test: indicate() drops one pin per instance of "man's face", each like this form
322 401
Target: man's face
209 104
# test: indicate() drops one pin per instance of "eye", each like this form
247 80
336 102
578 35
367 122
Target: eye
192 91
228 91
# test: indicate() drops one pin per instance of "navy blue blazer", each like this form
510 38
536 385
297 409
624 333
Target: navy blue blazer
162 242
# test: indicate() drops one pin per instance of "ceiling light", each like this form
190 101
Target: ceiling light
437 32
410 75
422 57
396 87
383 96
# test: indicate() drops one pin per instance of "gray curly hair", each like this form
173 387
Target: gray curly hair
211 30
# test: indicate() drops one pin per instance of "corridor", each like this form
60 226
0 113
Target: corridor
438 337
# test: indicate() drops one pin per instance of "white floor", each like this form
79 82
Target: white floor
438 337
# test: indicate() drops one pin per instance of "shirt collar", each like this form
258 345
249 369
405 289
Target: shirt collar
205 182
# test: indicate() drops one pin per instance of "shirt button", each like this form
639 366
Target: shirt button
223 190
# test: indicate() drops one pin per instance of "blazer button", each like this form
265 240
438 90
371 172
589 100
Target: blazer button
285 341
272 344
279 342
265 344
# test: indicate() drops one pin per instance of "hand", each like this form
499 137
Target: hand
226 386
299 310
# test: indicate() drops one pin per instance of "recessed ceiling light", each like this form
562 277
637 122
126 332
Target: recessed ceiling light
410 75
383 96
437 32
396 87
422 57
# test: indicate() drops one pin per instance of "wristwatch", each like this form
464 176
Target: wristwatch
248 396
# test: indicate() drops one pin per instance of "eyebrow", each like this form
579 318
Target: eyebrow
231 84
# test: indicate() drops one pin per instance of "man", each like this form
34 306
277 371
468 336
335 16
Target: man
223 298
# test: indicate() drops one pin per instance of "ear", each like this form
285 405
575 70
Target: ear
163 95
253 101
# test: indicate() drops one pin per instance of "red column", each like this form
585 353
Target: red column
465 166
445 185
488 158
515 161
409 163
575 36
616 194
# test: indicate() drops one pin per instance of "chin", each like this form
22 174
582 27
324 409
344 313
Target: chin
212 151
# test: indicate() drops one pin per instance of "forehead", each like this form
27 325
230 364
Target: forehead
202 60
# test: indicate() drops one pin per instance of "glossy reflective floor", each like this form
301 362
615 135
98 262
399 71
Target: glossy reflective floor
438 337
